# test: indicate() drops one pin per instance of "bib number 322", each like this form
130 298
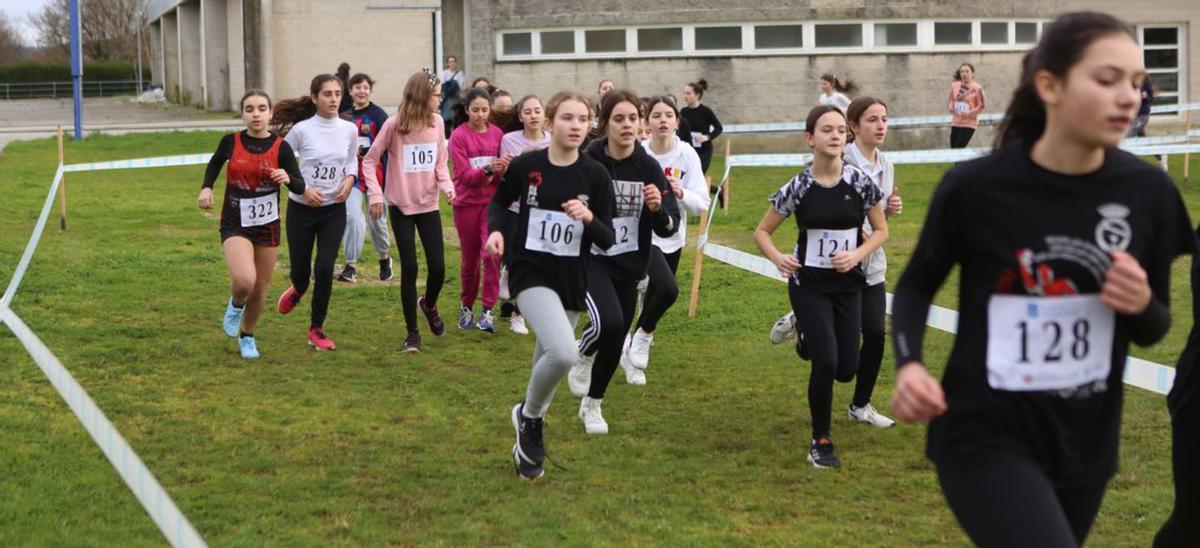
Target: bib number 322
1048 343
259 211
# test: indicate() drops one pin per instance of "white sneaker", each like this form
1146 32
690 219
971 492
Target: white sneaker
580 377
517 324
504 295
868 415
639 349
593 420
784 328
633 375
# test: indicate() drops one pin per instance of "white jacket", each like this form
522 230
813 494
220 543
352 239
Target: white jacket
683 162
883 175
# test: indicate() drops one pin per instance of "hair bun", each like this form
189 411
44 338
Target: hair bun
703 84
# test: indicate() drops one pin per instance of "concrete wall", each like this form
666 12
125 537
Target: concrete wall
216 54
170 42
452 31
235 52
156 53
191 75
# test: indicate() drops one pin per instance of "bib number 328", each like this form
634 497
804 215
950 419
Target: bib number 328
1048 343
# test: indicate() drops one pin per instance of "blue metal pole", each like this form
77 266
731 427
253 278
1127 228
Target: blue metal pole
77 69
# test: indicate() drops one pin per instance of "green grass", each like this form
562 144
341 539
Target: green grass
369 446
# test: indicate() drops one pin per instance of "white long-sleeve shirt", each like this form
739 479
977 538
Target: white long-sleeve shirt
683 162
883 174
328 150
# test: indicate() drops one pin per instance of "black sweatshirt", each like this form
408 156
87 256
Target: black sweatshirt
1184 398
542 188
702 120
633 222
287 159
1029 241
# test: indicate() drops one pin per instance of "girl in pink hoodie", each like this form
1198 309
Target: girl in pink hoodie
415 139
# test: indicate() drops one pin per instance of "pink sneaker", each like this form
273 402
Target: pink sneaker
318 340
289 300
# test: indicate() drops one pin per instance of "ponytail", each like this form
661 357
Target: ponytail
847 87
699 87
290 112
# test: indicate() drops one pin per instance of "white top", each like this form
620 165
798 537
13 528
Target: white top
458 76
838 99
684 163
883 175
328 151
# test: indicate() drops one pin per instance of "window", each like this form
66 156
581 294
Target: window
719 38
948 34
660 39
604 41
992 33
518 43
558 42
895 34
839 36
1027 33
1162 52
779 36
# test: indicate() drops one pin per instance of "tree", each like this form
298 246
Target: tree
10 43
108 28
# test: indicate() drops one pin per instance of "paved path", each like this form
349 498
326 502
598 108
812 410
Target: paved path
38 118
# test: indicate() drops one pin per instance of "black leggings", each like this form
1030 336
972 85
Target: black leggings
870 357
323 226
1182 528
611 305
960 137
831 323
662 290
1006 500
429 227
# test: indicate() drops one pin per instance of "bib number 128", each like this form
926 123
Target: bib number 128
1078 345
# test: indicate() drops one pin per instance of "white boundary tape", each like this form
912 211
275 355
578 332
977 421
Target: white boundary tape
34 238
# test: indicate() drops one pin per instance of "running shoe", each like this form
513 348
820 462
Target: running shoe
318 340
289 300
639 349
413 342
487 322
517 324
436 326
784 328
466 317
529 451
248 347
593 420
633 375
580 377
385 269
506 310
868 415
233 319
349 275
822 455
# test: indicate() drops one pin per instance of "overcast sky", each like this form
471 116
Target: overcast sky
18 12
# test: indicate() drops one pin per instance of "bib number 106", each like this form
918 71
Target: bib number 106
1077 346
558 233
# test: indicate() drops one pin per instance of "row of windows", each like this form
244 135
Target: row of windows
764 38
1162 53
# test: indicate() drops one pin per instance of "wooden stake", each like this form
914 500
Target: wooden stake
696 267
725 183
62 220
1187 156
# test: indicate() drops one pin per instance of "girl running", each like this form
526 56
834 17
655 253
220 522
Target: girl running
328 149
644 205
833 92
565 208
414 139
966 103
259 163
527 134
368 118
1065 244
703 121
681 165
478 167
830 200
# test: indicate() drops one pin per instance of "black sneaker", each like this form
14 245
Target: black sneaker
413 342
431 314
385 269
348 275
506 310
802 347
822 455
528 452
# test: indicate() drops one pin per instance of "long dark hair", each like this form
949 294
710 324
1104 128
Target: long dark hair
461 116
958 71
289 112
1062 44
515 124
610 102
843 86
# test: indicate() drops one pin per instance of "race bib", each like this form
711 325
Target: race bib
420 157
823 243
961 107
480 161
259 211
1048 343
323 176
625 237
553 232
696 139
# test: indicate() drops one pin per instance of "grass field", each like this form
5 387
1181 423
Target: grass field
369 446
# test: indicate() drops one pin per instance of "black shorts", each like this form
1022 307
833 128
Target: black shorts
263 235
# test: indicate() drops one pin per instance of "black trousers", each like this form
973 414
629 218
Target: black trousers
611 305
870 356
406 228
1182 528
662 291
960 137
1006 500
831 323
323 227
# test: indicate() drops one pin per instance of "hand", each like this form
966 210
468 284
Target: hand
577 211
313 197
280 177
495 244
652 196
1126 287
918 396
376 210
787 264
702 138
895 205
450 195
675 187
844 261
498 166
206 198
344 190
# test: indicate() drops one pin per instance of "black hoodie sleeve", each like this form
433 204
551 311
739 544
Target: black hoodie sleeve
601 204
716 124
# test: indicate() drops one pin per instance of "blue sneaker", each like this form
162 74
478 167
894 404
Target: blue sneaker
248 348
487 322
466 317
233 319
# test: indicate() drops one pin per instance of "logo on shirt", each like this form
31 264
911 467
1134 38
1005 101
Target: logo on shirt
1113 232
535 181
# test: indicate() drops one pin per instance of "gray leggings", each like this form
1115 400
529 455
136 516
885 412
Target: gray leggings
357 222
555 351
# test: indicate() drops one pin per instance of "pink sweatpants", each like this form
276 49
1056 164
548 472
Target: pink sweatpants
472 224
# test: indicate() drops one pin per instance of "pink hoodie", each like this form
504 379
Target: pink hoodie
416 167
471 151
